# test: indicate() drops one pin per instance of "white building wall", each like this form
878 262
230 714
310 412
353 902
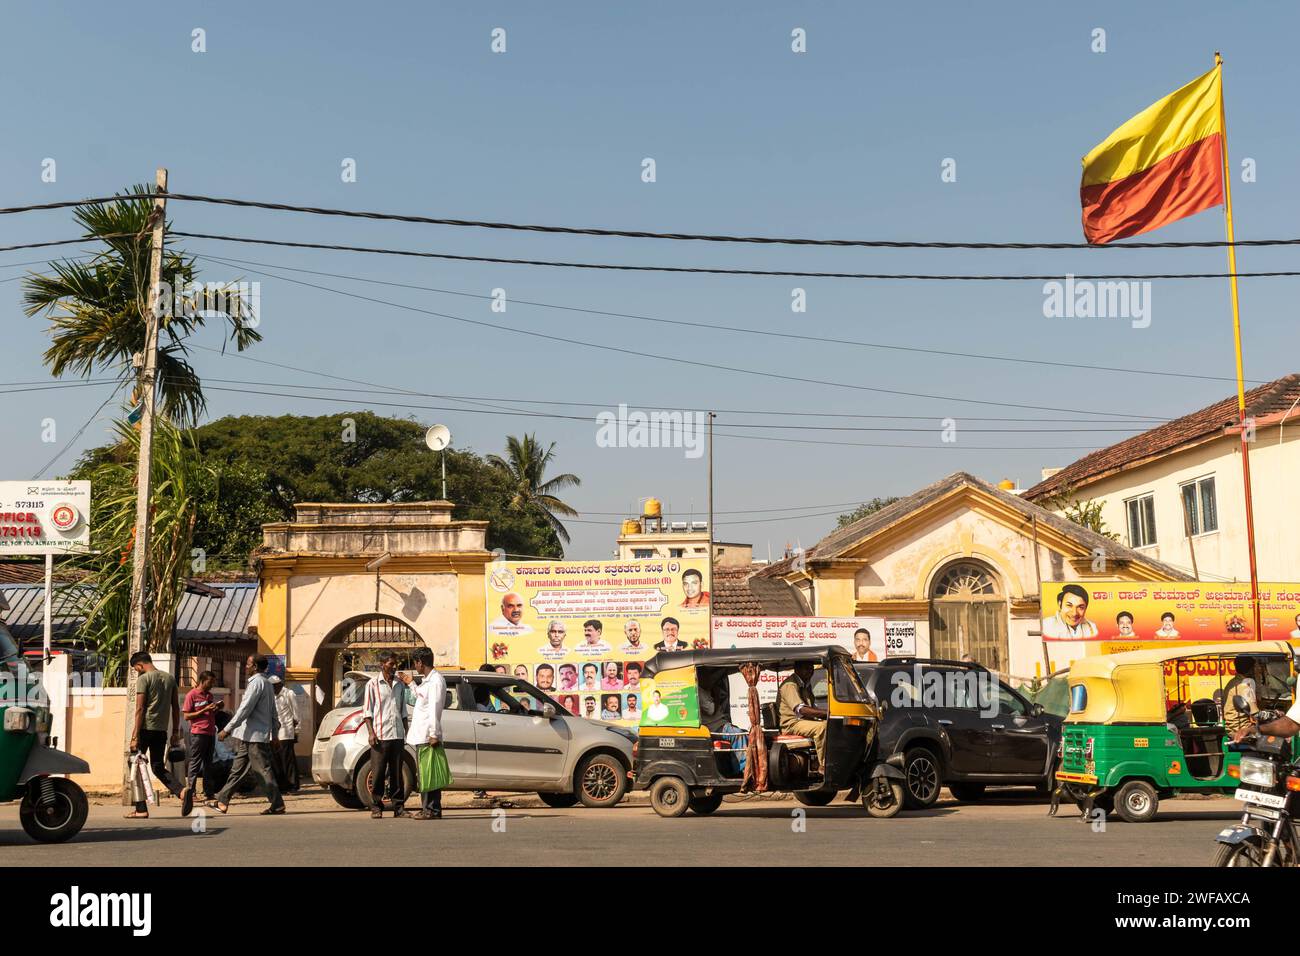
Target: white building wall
1221 554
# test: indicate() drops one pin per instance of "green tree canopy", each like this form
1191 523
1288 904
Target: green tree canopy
862 510
260 466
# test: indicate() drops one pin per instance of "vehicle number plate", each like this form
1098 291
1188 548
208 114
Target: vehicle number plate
667 742
1276 801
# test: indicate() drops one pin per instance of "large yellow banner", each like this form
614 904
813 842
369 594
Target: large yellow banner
1127 615
581 631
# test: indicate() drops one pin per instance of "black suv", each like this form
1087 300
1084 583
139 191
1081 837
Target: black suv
958 726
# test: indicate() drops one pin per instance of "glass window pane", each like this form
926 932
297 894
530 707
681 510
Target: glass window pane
1134 527
1209 506
1149 518
1190 509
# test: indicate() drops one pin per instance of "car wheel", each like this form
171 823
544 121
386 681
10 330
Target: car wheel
883 798
967 792
602 781
705 804
62 819
1137 802
361 782
921 770
815 798
670 796
558 801
346 798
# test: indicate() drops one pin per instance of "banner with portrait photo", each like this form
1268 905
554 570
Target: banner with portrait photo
1127 615
583 630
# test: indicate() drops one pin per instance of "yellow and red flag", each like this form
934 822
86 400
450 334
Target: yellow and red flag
1162 165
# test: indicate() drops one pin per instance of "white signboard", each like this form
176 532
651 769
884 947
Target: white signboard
846 632
44 517
900 638
863 637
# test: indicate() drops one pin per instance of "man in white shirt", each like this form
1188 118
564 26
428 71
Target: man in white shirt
426 723
286 712
384 716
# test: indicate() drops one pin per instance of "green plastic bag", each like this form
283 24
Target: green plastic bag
435 773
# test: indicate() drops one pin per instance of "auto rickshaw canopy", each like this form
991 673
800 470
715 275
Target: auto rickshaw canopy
1132 687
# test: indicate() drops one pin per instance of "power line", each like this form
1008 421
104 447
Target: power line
71 441
683 361
732 328
589 418
65 242
631 233
1137 421
703 270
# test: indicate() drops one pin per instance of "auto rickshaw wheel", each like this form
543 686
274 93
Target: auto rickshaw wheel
58 819
704 804
815 798
670 796
1137 802
883 798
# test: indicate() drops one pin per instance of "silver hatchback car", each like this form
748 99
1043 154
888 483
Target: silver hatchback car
501 733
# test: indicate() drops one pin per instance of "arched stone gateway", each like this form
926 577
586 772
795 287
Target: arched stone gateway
343 580
356 645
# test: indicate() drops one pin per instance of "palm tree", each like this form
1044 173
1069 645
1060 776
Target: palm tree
97 307
525 468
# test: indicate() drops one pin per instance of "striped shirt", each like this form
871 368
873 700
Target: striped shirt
385 707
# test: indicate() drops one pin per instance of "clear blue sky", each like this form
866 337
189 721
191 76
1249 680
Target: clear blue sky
845 140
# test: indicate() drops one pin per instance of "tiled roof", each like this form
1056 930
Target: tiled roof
757 597
33 572
1274 398
841 540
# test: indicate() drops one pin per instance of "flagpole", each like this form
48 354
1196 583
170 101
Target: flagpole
1236 335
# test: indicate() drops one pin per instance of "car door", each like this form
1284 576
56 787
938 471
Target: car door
1019 739
517 747
951 701
458 736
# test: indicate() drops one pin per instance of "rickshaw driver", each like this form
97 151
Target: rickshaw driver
1285 726
798 711
1243 685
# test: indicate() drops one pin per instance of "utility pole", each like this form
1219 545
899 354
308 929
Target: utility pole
137 633
712 585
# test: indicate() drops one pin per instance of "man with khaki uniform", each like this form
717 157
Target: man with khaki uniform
798 711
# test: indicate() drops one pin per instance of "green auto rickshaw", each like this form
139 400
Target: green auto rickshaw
1147 725
52 808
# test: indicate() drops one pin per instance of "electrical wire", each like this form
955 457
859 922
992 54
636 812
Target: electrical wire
683 361
668 406
731 328
702 270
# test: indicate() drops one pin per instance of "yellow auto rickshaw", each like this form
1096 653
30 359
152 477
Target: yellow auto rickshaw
710 725
1147 725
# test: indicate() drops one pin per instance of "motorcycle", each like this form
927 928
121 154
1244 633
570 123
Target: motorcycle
1269 784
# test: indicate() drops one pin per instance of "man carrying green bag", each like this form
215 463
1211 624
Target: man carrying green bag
425 734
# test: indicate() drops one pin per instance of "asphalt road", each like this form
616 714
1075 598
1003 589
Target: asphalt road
1011 827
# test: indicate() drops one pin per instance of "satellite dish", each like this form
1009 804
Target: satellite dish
438 437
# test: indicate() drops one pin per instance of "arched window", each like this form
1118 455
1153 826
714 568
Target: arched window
964 581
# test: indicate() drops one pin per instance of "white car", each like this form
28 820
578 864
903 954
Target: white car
501 733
